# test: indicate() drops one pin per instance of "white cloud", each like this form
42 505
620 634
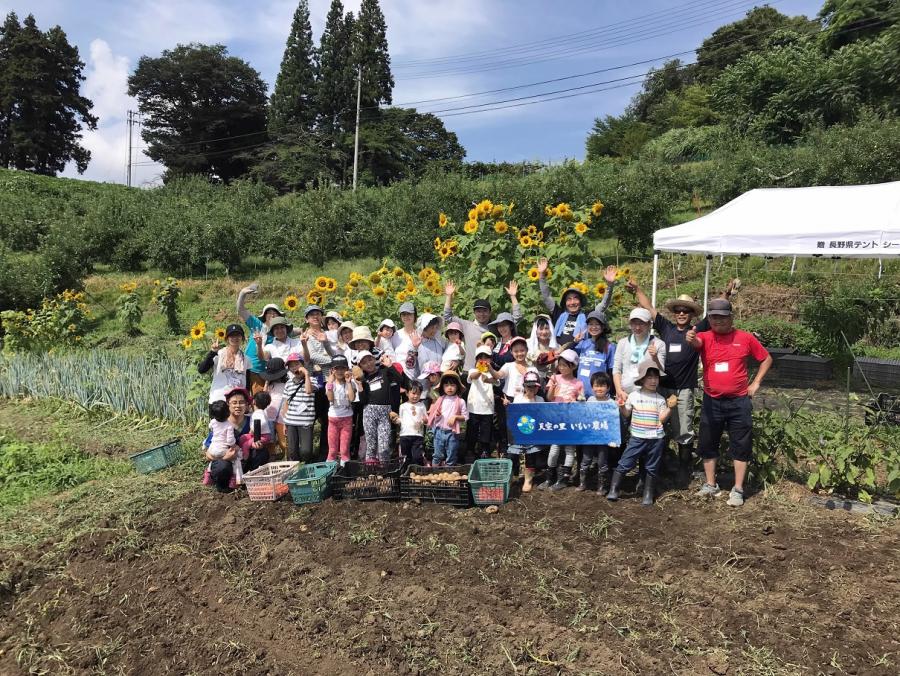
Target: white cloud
106 84
152 25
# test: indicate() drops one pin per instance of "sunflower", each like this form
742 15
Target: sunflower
500 227
202 324
321 283
473 214
442 220
525 241
197 332
187 343
398 271
563 210
410 287
359 305
581 286
532 230
453 245
549 273
534 275
433 287
332 285
401 296
444 251
471 227
355 278
379 291
437 243
291 303
220 334
427 310
580 228
349 288
497 211
314 297
597 208
600 290
548 210
426 273
375 278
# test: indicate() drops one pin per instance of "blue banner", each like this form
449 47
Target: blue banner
582 423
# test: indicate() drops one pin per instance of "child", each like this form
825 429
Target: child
595 353
332 325
542 346
488 339
648 412
452 359
445 417
222 439
563 388
601 384
344 336
412 418
375 386
384 343
298 410
512 375
454 335
480 402
431 376
531 383
261 424
341 392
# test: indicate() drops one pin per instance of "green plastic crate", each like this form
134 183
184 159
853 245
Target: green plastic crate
489 480
311 483
155 459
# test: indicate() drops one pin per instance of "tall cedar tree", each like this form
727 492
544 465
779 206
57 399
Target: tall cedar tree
42 112
337 81
370 52
293 101
202 110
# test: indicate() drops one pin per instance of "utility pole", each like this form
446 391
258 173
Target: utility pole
130 122
356 140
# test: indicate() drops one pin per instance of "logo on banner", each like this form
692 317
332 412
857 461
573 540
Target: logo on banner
526 424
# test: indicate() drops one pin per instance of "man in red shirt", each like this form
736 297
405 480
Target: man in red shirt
726 395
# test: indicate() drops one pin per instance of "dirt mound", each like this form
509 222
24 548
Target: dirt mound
216 584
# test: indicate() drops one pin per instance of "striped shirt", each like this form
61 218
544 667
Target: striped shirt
301 409
646 408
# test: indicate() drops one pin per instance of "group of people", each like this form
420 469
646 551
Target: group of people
435 390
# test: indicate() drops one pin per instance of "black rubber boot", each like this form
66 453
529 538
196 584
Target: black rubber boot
582 480
648 491
613 494
685 461
562 479
549 479
602 483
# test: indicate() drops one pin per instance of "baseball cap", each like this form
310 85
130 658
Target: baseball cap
481 303
719 306
640 313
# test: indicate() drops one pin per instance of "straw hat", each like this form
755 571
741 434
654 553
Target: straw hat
362 333
683 300
645 366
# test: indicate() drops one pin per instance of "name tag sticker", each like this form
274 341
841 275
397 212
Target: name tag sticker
675 347
376 385
585 373
721 367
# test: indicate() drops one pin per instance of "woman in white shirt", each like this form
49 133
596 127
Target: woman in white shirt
229 364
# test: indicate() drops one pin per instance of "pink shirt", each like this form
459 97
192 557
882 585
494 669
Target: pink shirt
567 389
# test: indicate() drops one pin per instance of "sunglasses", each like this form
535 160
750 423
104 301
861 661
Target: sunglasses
681 311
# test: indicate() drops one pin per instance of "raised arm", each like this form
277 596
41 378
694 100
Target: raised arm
449 292
209 360
242 311
515 309
641 298
610 277
549 303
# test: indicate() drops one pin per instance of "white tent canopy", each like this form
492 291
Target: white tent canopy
856 221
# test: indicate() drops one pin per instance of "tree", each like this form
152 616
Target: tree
370 53
293 102
847 21
401 143
753 33
202 109
42 112
672 77
336 87
621 136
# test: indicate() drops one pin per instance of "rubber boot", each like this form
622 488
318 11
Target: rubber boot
562 479
613 494
648 491
529 478
582 481
685 462
550 479
602 483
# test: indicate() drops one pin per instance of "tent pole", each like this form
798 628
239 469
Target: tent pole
655 272
793 265
879 268
706 284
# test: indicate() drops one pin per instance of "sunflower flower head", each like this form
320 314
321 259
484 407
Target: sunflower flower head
497 211
187 343
220 333
471 227
600 290
197 332
291 302
597 208
525 241
501 227
437 243
580 228
331 285
375 278
442 220
359 305
379 291
314 297
321 283
473 214
533 274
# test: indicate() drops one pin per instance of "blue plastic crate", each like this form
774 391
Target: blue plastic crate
160 457
311 483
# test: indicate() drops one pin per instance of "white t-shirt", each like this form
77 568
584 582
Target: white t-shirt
283 349
521 399
646 408
265 424
512 380
222 438
412 419
480 399
341 406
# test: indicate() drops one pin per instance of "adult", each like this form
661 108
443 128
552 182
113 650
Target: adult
596 353
256 324
682 360
281 345
727 395
407 355
481 310
317 354
503 326
221 470
632 350
569 320
428 344
229 364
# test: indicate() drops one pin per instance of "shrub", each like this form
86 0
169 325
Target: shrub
59 322
129 309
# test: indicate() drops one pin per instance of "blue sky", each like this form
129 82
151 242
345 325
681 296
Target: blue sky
427 38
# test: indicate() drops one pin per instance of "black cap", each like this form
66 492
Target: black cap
338 361
234 328
481 303
719 306
275 369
